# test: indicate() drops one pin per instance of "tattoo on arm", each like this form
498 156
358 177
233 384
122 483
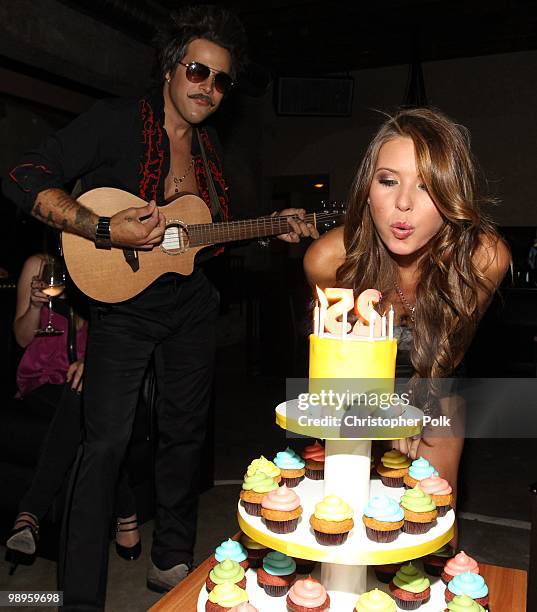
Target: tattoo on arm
57 209
85 222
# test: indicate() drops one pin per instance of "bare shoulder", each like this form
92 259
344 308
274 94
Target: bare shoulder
493 257
31 267
324 257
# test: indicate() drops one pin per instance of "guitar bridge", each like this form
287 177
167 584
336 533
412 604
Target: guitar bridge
176 240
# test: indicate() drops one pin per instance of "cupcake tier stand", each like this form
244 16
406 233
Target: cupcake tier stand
343 569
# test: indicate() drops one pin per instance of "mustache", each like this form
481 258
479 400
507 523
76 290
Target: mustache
201 96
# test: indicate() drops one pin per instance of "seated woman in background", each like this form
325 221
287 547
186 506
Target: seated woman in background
49 378
415 231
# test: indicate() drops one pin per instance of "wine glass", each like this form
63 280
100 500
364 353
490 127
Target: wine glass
53 278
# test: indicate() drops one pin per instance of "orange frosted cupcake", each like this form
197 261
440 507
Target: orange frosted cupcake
459 564
440 492
281 510
393 467
308 595
313 455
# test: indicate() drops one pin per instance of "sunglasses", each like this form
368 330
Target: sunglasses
197 73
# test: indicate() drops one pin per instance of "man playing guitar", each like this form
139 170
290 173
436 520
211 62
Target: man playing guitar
145 147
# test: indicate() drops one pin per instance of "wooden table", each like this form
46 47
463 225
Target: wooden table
507 590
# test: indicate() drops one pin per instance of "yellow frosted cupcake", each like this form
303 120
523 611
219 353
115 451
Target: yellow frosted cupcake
262 464
332 521
375 601
224 596
392 468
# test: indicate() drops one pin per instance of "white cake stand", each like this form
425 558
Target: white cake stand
344 569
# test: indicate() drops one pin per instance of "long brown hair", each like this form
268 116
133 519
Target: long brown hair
447 312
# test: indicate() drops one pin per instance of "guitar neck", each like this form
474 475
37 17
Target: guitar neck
215 233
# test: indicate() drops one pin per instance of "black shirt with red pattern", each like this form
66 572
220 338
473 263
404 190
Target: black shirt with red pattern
118 143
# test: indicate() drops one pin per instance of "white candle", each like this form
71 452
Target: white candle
390 323
322 314
316 319
372 317
383 326
344 325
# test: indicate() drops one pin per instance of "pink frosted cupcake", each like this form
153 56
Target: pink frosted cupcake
459 564
440 491
313 455
308 595
281 510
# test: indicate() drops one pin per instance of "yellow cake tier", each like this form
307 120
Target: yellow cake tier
368 363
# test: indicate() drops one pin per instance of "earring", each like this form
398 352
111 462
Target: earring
368 201
168 79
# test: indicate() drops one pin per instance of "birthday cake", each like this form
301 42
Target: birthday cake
351 365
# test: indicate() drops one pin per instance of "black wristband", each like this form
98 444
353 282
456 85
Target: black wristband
102 233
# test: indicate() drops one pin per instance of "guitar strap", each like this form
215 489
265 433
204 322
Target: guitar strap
216 209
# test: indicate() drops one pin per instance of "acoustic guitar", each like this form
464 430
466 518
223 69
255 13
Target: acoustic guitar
114 275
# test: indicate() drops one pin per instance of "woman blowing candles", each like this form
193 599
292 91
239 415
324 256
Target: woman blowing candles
415 231
49 379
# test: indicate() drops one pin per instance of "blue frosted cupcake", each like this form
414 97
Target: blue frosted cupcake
419 469
277 574
470 584
383 519
292 467
230 549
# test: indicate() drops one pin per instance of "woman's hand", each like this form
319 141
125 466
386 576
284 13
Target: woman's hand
299 228
74 375
408 446
37 297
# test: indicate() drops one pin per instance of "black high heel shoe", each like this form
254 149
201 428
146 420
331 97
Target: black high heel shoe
21 543
129 553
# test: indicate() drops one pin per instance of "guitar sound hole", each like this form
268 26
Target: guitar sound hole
175 239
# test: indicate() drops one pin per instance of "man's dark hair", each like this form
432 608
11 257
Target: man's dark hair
215 24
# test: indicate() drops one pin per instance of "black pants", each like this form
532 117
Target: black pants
175 319
59 450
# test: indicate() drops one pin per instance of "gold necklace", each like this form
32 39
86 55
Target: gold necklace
179 179
411 309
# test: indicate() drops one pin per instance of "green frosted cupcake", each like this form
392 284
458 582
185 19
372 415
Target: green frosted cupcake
463 603
410 588
226 571
254 488
420 511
